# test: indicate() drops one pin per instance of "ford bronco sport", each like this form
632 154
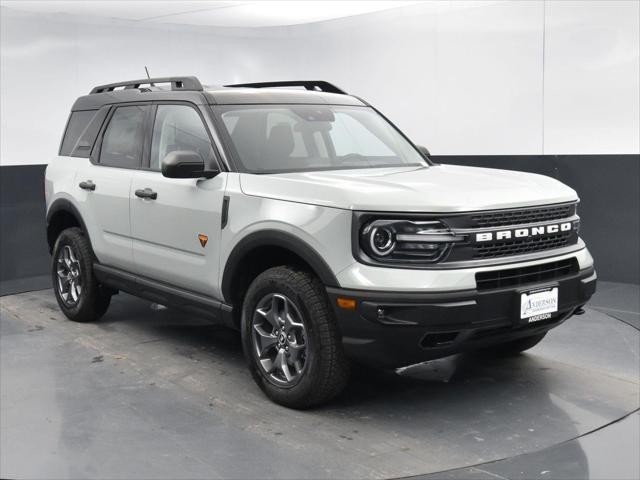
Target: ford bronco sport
301 216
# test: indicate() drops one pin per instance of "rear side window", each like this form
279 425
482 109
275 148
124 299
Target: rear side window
78 122
82 130
122 140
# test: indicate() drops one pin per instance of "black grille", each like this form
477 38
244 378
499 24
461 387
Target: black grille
514 277
501 218
521 246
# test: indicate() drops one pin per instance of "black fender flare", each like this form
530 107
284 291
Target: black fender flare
64 205
275 238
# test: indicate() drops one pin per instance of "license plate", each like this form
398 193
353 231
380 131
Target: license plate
539 304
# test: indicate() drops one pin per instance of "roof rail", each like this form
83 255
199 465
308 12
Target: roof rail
177 83
308 84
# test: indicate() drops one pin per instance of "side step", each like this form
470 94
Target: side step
165 294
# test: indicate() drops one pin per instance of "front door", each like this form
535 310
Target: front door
175 223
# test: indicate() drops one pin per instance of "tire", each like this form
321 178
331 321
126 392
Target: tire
72 264
514 347
314 357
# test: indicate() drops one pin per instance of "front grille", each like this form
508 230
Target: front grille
514 277
501 218
471 223
521 246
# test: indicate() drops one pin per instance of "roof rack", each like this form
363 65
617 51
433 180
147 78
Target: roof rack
177 83
320 85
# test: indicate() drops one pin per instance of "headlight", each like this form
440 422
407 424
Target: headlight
406 240
381 240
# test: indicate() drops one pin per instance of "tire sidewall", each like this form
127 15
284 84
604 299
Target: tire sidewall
74 239
287 395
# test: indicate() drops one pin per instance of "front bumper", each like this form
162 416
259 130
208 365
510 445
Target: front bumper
392 329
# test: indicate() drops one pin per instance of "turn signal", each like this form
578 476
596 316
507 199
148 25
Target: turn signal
347 303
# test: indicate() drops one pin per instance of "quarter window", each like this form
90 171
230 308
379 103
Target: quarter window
78 122
176 128
122 141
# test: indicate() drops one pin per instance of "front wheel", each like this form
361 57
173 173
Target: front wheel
290 339
77 291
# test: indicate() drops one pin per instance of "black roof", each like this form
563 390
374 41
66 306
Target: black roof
190 89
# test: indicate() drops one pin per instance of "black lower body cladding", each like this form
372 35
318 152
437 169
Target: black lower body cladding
394 329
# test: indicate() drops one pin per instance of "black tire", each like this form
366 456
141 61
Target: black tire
514 347
93 300
326 368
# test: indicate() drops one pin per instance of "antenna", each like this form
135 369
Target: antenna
148 76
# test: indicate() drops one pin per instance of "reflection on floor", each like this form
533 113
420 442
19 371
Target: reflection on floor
158 394
620 300
608 453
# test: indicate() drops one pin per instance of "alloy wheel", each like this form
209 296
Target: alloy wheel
279 339
69 282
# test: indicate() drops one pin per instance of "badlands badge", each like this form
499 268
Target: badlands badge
203 239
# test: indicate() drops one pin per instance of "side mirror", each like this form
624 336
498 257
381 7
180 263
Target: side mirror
424 151
185 164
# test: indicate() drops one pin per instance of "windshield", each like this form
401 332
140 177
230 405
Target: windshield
293 138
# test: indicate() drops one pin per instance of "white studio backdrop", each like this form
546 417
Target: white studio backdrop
463 78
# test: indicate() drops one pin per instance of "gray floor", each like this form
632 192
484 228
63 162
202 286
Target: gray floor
608 453
157 394
619 300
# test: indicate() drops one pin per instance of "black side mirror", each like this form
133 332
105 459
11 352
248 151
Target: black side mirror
185 164
424 151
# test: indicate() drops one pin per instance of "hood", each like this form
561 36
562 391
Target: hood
440 188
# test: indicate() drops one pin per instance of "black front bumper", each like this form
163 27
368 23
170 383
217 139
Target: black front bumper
392 329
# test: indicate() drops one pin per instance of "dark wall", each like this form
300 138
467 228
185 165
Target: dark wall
608 186
23 245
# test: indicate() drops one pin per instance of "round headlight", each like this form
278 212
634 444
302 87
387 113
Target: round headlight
382 241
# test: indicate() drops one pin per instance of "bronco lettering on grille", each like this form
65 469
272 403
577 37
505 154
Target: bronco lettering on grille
523 232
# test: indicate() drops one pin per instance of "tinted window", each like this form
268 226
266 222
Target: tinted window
78 122
85 143
122 141
178 127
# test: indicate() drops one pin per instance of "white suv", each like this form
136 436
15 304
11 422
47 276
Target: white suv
304 218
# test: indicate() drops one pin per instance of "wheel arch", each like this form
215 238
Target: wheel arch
62 214
261 250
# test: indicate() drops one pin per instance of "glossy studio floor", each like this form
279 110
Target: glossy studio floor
148 393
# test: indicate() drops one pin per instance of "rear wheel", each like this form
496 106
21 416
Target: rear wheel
290 339
515 347
77 291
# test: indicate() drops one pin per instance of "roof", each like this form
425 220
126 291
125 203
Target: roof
235 95
189 89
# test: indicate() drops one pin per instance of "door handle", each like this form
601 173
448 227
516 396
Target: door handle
147 193
88 185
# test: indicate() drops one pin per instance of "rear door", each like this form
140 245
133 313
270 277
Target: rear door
176 230
104 183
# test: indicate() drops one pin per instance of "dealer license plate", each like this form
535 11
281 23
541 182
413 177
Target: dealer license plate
539 304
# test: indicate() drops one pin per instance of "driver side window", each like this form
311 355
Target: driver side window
178 127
